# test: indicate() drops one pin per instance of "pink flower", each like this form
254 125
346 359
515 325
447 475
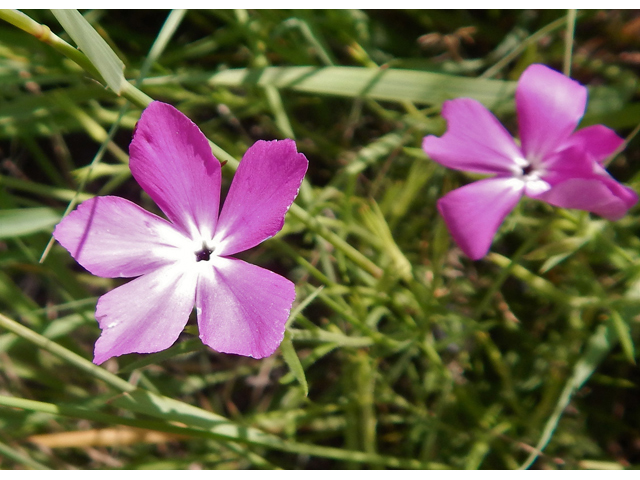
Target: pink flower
241 308
553 163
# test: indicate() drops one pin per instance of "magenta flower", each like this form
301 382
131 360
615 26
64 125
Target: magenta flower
241 308
553 163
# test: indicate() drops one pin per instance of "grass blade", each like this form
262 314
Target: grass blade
291 357
94 46
25 221
600 343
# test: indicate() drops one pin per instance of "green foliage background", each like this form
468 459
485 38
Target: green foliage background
400 351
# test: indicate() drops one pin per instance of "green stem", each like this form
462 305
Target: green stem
45 35
504 61
354 255
268 441
568 41
506 271
135 96
67 355
19 457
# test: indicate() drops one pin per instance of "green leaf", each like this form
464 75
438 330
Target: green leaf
386 84
377 83
95 48
600 343
290 356
182 348
624 334
170 410
25 221
20 457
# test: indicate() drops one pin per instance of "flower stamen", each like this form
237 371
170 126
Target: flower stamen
204 254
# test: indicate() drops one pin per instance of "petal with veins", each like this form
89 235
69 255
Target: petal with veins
475 141
147 314
113 237
550 106
242 308
172 161
474 213
263 189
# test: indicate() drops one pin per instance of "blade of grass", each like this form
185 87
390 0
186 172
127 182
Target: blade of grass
522 46
44 34
94 46
171 410
67 355
380 84
19 457
293 362
25 221
568 41
624 335
601 342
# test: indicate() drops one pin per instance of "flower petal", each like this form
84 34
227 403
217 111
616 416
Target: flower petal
113 237
597 140
571 162
242 308
601 195
172 161
474 213
263 189
549 107
145 315
475 141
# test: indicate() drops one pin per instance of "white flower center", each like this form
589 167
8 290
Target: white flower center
530 172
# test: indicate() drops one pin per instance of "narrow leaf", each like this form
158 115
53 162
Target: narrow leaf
291 357
380 84
94 46
624 334
25 221
388 84
600 343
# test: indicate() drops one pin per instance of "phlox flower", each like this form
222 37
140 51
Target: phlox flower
552 163
187 260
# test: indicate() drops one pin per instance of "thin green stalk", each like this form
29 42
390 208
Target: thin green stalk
504 61
45 35
601 342
323 54
67 355
618 150
506 271
354 255
541 285
96 159
260 61
275 102
568 41
19 457
265 440
41 189
285 248
167 31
